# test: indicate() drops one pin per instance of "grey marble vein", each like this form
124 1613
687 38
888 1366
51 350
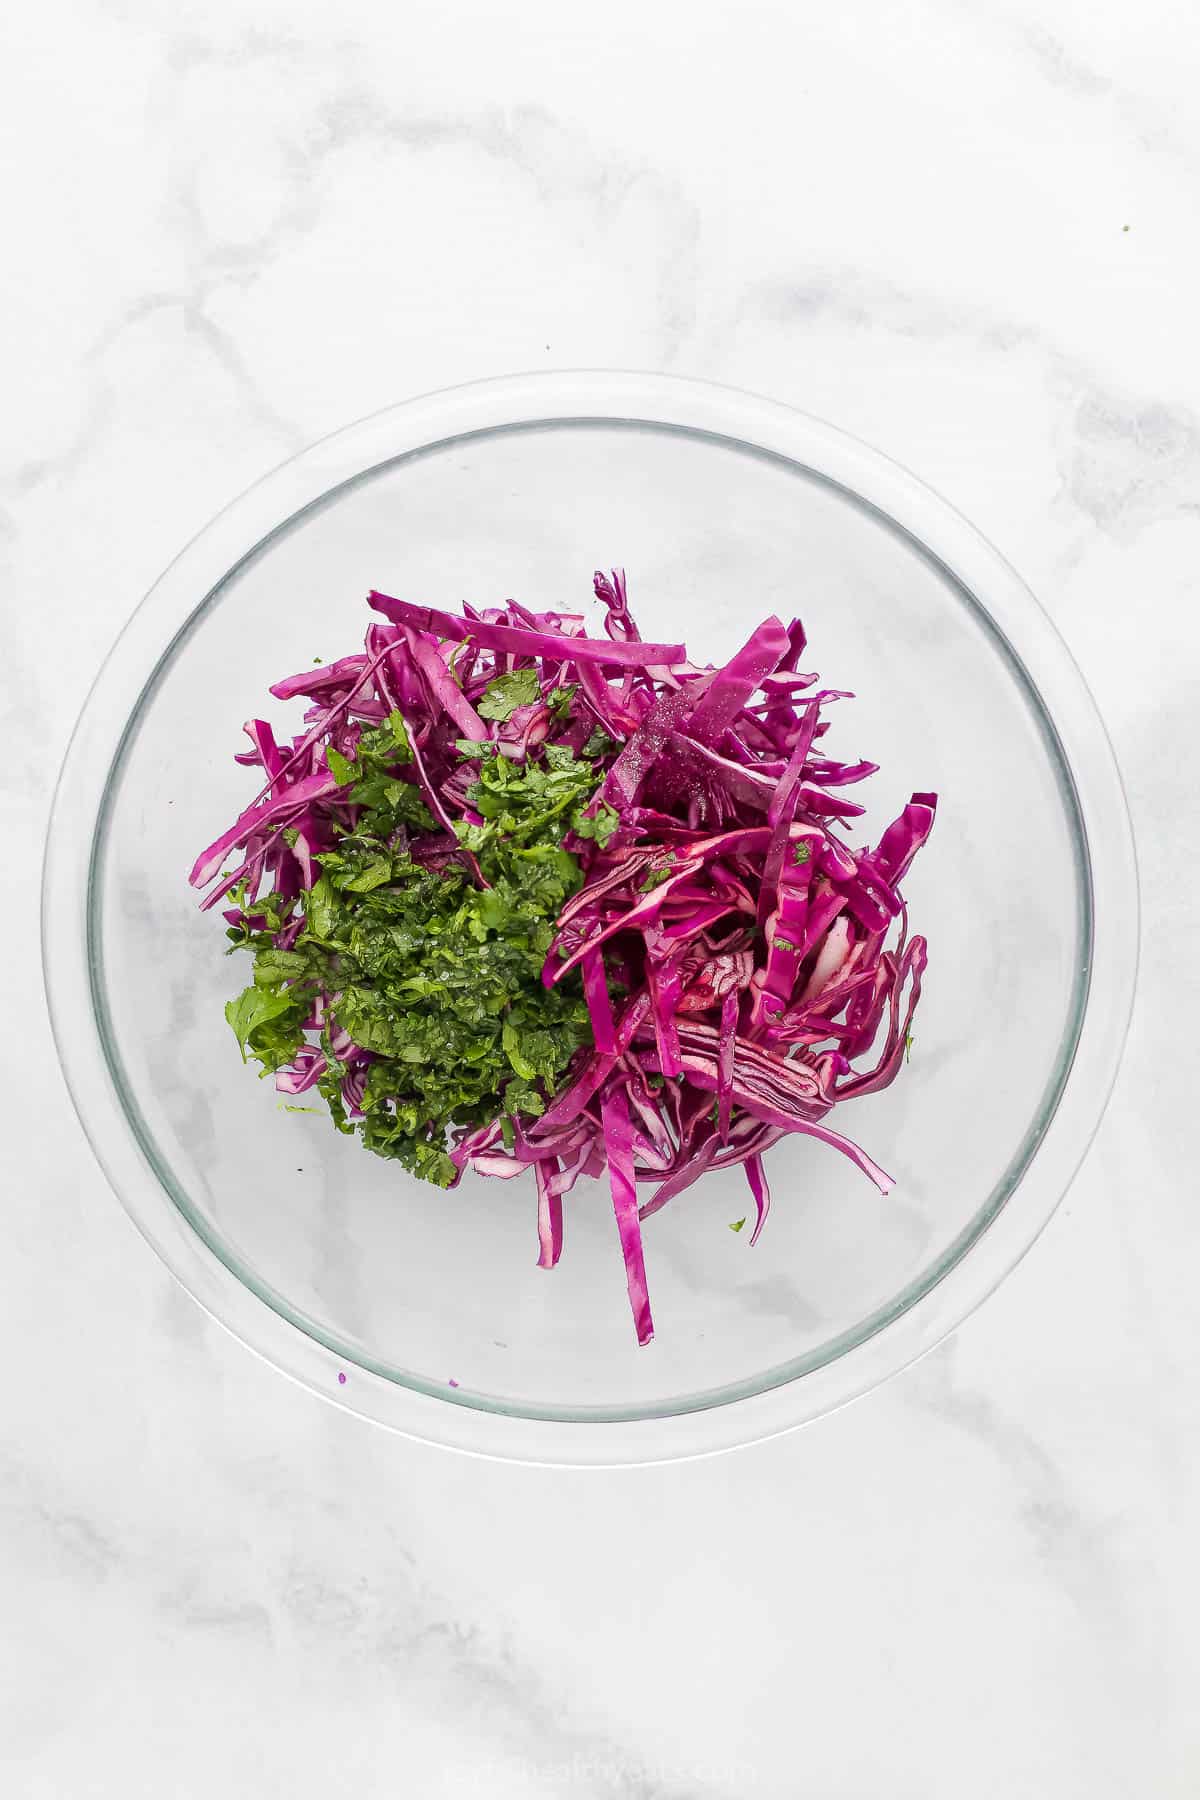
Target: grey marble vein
1067 1529
1125 460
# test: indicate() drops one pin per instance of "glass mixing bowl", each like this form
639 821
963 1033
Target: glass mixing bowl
424 1309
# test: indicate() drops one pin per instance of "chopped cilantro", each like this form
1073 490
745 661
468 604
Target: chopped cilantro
438 978
502 697
599 744
267 1022
599 825
655 876
560 700
343 772
737 1224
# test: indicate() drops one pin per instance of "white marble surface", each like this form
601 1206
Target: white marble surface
965 232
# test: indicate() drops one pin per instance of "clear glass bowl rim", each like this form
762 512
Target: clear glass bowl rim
612 397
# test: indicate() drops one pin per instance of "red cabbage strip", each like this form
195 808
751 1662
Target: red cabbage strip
901 841
645 747
313 683
499 1164
443 688
797 644
782 801
520 642
697 920
595 991
883 1181
835 774
866 1009
780 815
911 968
681 1177
266 753
725 1055
776 1100
618 1150
305 1072
257 819
630 867
571 1102
608 704
619 622
550 1217
759 656
665 986
756 1176
565 1180
828 806
689 760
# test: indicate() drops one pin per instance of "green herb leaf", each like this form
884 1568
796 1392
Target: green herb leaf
320 907
376 872
599 744
502 697
560 700
656 876
255 1009
511 1040
399 735
343 772
737 1224
518 1098
271 967
599 825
